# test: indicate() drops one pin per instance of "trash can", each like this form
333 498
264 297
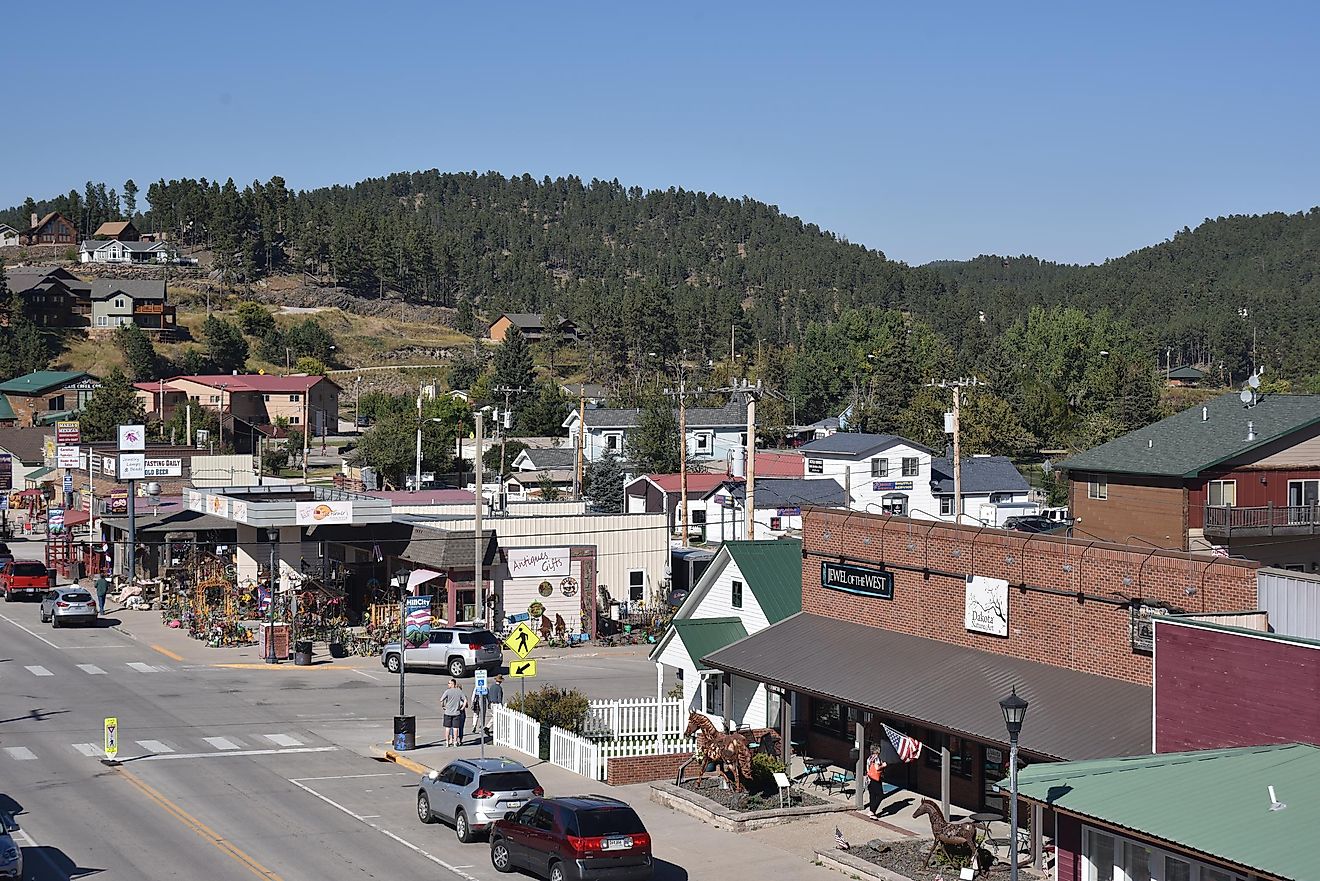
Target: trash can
302 653
544 745
405 732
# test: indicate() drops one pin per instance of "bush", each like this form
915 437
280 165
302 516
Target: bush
764 768
561 707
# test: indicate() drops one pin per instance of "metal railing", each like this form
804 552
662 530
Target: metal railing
1290 519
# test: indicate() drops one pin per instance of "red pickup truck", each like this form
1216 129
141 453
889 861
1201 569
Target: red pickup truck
24 578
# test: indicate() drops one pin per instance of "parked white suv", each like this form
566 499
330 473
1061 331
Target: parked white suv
454 649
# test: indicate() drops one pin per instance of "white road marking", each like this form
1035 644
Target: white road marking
355 776
39 671
221 742
91 750
155 746
283 740
20 753
91 669
366 674
30 633
457 870
241 752
113 645
143 668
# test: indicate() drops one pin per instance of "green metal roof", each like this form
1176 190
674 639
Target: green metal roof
6 412
1213 802
1185 444
702 636
773 572
40 382
39 473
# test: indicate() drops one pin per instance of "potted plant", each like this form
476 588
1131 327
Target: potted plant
337 638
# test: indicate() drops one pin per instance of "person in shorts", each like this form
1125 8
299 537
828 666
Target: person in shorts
452 705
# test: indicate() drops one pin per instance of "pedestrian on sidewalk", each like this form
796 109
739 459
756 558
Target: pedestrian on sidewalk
102 587
479 709
494 698
875 781
452 704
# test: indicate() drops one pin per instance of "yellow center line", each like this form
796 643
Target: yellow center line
201 829
167 653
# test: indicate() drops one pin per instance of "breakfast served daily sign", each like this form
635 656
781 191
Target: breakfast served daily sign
316 513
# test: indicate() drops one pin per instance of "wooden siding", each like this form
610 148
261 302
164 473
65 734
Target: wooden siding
1256 488
1219 689
1068 848
1300 449
500 328
1151 509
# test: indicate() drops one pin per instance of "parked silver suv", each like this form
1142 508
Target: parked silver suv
454 649
474 793
68 605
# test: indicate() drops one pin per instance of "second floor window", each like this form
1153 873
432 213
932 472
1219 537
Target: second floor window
910 466
736 594
879 467
1221 492
701 443
1098 489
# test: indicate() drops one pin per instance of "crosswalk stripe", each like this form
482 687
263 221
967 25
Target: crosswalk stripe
39 671
91 669
221 742
283 740
155 746
91 750
20 753
143 668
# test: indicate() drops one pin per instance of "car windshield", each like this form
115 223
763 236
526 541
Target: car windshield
609 821
30 569
78 597
479 637
508 781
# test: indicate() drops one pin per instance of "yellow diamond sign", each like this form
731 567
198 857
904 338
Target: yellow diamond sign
522 640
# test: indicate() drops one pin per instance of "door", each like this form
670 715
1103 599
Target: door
519 830
541 840
443 801
459 784
437 653
1303 494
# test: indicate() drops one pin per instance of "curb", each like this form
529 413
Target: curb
389 755
841 861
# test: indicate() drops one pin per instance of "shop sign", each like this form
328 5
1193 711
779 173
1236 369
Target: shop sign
132 466
985 608
238 511
67 434
84 385
6 471
118 502
815 466
535 562
860 580
196 501
132 437
882 485
323 513
1141 627
724 501
218 505
109 466
788 512
164 467
66 457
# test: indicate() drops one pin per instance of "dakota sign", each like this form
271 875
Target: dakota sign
534 562
860 580
986 605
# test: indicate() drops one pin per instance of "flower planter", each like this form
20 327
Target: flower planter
302 653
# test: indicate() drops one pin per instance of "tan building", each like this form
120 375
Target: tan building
531 324
257 399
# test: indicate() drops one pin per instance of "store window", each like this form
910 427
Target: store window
1098 857
1107 857
961 753
735 597
895 504
829 717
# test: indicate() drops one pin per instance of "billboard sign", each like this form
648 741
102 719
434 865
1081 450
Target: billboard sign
68 434
322 513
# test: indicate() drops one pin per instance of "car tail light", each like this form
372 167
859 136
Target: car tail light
641 839
474 646
538 790
483 793
61 603
584 845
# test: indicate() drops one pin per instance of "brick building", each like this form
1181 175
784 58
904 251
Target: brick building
42 397
924 626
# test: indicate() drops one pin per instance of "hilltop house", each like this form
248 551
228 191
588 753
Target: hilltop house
8 236
531 324
53 229
116 251
715 435
123 230
131 301
51 295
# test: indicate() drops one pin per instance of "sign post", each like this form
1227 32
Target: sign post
521 641
132 438
480 690
112 738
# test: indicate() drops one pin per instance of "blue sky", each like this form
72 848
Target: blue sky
1073 132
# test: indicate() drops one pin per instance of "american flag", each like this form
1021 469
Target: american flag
908 748
839 841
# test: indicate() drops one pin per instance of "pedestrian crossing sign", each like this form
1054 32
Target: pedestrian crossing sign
522 640
522 669
111 738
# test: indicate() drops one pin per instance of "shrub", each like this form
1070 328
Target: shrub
561 707
764 768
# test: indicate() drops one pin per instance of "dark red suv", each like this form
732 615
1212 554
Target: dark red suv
573 839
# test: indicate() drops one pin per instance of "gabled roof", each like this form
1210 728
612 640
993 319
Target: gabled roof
699 483
702 636
6 228
773 573
25 278
777 464
1213 802
523 320
589 390
258 382
98 244
28 444
40 382
133 288
1185 444
113 229
7 413
47 219
545 458
981 475
1186 372
852 443
792 492
729 416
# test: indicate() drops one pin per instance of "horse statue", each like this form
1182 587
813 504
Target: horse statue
960 836
728 752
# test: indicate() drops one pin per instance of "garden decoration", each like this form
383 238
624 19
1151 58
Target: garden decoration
728 752
958 836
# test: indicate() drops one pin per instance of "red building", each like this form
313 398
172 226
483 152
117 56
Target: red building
1225 476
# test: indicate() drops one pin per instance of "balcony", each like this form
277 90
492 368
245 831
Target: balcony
1224 522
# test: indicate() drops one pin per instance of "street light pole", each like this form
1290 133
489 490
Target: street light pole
1015 710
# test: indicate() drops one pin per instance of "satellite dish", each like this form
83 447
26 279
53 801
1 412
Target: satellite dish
1246 396
1254 381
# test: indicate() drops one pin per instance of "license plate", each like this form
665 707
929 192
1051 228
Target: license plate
616 844
512 805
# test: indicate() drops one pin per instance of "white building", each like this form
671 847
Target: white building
716 435
115 251
992 490
722 512
748 587
8 236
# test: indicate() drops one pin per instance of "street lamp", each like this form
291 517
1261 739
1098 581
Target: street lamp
1015 710
405 726
273 536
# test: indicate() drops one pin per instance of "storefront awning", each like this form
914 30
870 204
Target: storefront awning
40 475
950 687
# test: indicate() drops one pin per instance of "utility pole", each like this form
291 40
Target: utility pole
582 428
952 427
417 472
751 463
682 450
505 423
478 545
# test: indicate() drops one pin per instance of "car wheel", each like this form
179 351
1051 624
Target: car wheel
9 597
54 621
557 872
392 663
457 668
500 857
461 827
424 807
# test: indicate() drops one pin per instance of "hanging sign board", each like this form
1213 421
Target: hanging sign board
985 608
860 580
66 457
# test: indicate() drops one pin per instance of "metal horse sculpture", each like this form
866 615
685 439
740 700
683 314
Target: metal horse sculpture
961 836
728 752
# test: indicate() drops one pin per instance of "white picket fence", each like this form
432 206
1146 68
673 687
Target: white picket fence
516 730
591 758
636 717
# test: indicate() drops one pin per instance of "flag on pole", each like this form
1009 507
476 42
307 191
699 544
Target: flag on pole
908 748
839 841
375 552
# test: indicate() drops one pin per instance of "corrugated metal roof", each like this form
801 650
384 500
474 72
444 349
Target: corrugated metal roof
701 636
1213 802
1073 715
1292 600
41 381
855 443
773 571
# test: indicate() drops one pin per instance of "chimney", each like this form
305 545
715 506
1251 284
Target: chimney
1251 430
1205 414
34 220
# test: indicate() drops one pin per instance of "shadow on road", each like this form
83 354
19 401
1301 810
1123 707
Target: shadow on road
52 864
667 871
36 714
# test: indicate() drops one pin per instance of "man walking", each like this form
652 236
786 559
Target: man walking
452 704
875 781
102 587
494 698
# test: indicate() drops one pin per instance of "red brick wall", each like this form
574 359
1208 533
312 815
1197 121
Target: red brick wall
1219 689
643 769
1089 634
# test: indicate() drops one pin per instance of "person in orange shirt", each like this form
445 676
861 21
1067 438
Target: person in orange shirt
875 781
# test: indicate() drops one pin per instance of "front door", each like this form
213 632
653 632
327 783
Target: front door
1303 496
994 767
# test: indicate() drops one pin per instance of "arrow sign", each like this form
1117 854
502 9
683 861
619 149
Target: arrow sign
111 738
522 669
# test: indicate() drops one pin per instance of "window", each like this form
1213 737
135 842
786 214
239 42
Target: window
1221 493
55 403
776 524
293 399
911 466
946 506
1098 853
294 420
829 717
735 594
894 504
879 467
701 443
1098 489
961 751
265 397
1136 861
714 697
119 303
613 442
100 321
215 399
636 584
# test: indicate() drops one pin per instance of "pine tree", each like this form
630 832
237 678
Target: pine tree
143 362
115 403
604 481
226 348
514 367
653 445
130 198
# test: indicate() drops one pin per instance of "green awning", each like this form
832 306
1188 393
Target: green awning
36 476
54 416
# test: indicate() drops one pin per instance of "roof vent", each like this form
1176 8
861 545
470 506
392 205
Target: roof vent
1251 430
1150 443
1205 414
